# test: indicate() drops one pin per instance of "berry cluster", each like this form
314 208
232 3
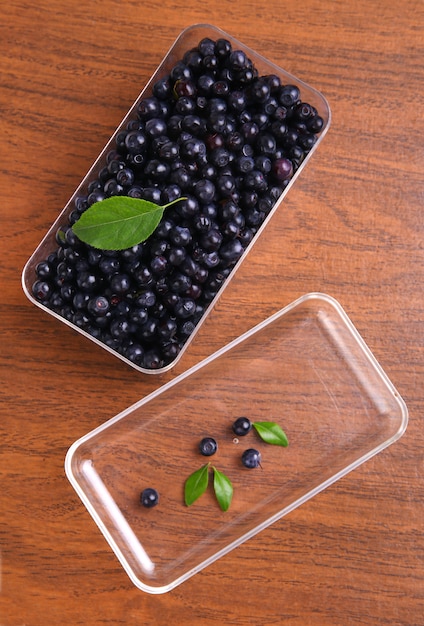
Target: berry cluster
216 133
197 483
250 458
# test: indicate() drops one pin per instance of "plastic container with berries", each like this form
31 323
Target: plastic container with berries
217 125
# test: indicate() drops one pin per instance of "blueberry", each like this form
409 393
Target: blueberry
135 142
125 177
238 60
242 426
180 236
162 89
88 281
152 194
159 265
146 299
120 283
177 255
135 354
179 283
98 306
206 47
208 446
185 308
152 360
149 497
119 328
155 127
289 95
260 90
148 108
180 71
185 87
231 252
283 169
204 190
193 59
245 164
185 105
251 458
211 240
222 48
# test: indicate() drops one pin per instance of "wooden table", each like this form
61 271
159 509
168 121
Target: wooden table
352 227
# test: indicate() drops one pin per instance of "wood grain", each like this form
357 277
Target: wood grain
352 227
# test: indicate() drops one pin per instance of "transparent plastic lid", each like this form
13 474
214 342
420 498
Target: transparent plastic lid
305 368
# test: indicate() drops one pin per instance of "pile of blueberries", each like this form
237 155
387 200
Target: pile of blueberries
215 132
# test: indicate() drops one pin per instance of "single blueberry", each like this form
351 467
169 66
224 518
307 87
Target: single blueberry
242 426
208 446
251 458
149 497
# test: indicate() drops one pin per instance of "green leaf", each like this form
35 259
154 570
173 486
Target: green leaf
119 222
271 433
223 489
196 484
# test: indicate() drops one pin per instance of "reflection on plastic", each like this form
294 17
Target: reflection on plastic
110 505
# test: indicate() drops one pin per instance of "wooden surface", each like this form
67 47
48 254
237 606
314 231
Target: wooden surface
352 227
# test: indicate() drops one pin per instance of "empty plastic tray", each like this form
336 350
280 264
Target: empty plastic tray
305 368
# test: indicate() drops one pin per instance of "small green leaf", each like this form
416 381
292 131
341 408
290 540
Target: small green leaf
196 484
223 489
119 222
271 433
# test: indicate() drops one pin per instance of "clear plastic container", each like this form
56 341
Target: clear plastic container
187 39
305 368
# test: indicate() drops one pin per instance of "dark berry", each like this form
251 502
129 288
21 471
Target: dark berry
155 127
289 95
152 360
120 328
146 299
185 87
185 308
149 497
204 84
225 185
180 71
177 255
159 265
162 88
135 354
238 60
42 290
231 252
185 105
315 124
120 283
153 194
251 458
135 143
206 46
282 169
180 236
211 240
98 306
208 446
87 281
222 48
125 177
148 108
242 426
